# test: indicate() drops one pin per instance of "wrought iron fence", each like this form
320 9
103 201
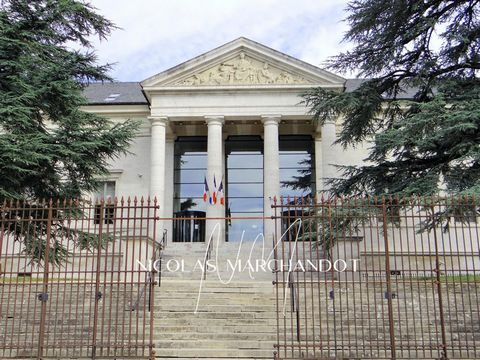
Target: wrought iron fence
377 278
71 283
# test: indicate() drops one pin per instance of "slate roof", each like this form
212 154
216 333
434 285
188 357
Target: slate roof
407 94
130 93
115 93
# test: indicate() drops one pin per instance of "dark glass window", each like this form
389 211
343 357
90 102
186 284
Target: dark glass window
189 175
189 190
105 192
244 190
191 204
190 168
193 161
297 177
246 205
295 160
248 228
247 160
249 175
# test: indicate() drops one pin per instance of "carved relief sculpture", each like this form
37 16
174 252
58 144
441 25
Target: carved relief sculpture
265 76
242 71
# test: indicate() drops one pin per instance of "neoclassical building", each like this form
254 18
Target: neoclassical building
222 135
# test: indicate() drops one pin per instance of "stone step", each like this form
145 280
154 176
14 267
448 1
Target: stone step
215 305
218 287
214 343
182 294
210 322
207 306
232 297
215 328
205 293
211 315
189 358
169 303
197 335
215 353
215 283
224 275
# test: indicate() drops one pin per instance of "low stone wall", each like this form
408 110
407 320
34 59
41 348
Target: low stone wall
70 319
352 320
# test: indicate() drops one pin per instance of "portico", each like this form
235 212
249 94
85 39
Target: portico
242 91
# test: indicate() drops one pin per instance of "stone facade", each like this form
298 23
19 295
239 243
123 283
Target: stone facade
242 88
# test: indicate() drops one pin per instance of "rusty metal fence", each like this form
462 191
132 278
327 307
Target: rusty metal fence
71 285
377 278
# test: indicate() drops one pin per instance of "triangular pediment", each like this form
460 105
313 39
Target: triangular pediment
243 63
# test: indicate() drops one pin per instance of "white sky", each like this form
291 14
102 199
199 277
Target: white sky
159 34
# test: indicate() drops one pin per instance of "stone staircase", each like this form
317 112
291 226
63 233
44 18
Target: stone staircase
237 320
232 321
191 256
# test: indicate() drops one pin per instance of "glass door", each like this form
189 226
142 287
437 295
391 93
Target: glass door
244 190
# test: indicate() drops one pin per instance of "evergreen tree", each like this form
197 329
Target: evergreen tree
49 147
303 179
419 107
431 141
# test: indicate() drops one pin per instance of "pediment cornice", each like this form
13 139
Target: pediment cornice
242 63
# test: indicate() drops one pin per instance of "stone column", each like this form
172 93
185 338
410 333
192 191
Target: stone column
271 173
215 169
318 161
157 165
329 154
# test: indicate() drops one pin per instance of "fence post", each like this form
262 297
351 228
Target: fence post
152 282
389 281
276 346
43 296
438 283
98 294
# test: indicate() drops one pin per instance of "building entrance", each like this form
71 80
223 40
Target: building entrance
244 179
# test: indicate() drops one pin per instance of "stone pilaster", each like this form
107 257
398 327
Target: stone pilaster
329 155
169 183
318 161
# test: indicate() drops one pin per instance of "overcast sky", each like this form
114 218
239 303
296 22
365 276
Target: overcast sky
158 34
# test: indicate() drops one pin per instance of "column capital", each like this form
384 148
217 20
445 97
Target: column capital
170 137
271 119
158 120
317 127
330 120
215 119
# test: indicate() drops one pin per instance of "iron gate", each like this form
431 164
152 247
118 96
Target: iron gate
377 278
75 280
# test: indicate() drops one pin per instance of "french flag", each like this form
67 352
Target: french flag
215 191
205 190
221 193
